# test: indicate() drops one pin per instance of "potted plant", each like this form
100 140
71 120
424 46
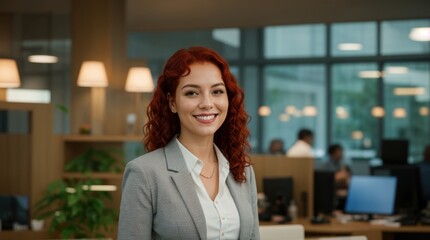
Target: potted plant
94 160
75 211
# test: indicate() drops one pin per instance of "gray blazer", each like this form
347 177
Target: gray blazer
160 202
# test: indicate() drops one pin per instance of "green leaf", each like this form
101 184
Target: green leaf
72 199
62 108
67 233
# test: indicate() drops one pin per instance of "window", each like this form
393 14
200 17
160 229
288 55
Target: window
397 39
295 41
296 96
353 39
250 86
161 45
354 94
406 97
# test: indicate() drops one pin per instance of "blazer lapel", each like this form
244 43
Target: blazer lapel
184 183
239 194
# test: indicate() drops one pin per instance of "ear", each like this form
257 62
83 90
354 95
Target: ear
172 104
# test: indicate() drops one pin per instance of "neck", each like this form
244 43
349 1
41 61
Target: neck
202 148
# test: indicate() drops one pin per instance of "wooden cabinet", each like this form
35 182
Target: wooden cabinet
27 163
33 158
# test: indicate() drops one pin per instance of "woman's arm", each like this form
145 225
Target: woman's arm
135 219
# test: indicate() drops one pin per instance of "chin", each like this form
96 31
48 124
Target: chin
205 132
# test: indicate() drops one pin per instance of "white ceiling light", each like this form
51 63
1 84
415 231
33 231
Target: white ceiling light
290 110
424 111
28 95
42 59
378 112
264 111
357 135
399 113
310 111
350 46
409 91
370 74
397 70
420 34
341 113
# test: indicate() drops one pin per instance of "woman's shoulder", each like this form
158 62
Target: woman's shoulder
249 172
148 160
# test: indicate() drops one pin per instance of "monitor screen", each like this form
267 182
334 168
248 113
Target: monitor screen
324 192
13 209
279 193
371 195
394 151
425 183
408 194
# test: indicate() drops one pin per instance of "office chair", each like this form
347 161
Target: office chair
279 232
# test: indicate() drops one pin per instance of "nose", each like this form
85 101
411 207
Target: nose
206 102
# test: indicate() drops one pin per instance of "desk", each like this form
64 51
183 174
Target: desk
372 232
21 235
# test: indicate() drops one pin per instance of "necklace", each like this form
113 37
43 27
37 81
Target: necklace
213 172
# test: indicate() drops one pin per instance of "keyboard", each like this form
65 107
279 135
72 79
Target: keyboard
408 221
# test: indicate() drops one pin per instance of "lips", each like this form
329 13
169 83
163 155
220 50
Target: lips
205 118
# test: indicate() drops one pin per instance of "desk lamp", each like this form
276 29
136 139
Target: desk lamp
9 76
93 74
139 79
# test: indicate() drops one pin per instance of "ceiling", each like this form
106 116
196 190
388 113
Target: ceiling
187 14
143 15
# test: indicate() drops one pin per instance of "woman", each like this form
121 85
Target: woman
196 181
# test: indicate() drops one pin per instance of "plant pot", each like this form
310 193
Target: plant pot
36 224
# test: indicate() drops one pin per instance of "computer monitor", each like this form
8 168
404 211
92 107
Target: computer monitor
408 194
371 195
425 183
13 209
394 151
324 192
279 193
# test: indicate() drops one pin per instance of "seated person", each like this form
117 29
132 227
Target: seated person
276 147
342 173
335 157
303 146
424 167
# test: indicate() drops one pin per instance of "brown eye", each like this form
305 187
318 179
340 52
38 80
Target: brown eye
218 92
191 93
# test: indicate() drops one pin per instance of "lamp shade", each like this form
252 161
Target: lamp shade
92 74
9 76
139 79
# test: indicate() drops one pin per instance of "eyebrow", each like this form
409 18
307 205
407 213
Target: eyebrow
197 86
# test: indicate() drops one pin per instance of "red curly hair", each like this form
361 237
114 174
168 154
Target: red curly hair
231 138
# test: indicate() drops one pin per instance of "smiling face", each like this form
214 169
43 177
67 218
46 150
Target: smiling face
201 101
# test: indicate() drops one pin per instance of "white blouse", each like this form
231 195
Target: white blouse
300 149
222 217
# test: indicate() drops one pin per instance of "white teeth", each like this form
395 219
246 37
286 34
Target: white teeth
206 118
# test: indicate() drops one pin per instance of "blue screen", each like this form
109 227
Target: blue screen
371 195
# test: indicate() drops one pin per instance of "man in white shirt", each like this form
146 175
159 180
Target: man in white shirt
303 146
